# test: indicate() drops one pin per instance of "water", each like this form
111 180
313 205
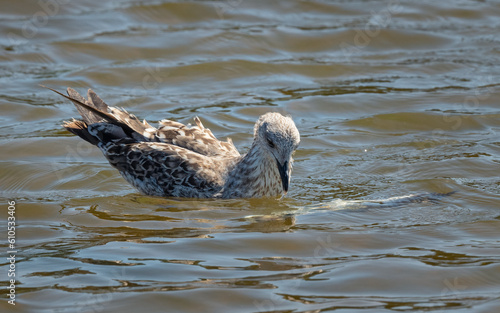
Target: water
391 98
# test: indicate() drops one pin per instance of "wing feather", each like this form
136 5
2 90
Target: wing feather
195 138
166 170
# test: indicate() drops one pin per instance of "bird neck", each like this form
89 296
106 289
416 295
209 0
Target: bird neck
255 175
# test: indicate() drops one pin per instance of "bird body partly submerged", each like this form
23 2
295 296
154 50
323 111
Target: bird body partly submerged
175 160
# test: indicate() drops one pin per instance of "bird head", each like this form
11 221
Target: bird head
279 138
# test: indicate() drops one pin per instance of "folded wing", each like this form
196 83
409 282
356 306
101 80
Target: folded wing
162 169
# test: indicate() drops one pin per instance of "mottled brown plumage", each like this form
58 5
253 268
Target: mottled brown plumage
175 160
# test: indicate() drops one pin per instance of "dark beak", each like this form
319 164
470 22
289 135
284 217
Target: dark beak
285 178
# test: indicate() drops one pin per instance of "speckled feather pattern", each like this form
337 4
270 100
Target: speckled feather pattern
175 160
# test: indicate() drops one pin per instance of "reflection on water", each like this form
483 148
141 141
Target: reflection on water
392 98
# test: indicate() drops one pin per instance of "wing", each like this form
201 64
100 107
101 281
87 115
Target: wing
94 110
195 138
166 170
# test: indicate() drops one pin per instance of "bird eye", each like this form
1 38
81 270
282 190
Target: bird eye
270 143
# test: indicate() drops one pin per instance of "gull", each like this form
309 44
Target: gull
175 160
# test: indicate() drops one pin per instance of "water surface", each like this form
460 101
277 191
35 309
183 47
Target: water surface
391 98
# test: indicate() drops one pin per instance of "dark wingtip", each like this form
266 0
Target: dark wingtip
43 86
106 116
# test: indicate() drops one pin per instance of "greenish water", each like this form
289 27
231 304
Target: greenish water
391 98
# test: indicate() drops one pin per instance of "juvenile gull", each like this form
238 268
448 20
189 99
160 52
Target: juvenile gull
175 160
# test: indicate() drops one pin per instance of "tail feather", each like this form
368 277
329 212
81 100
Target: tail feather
89 117
81 104
96 111
96 101
80 129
